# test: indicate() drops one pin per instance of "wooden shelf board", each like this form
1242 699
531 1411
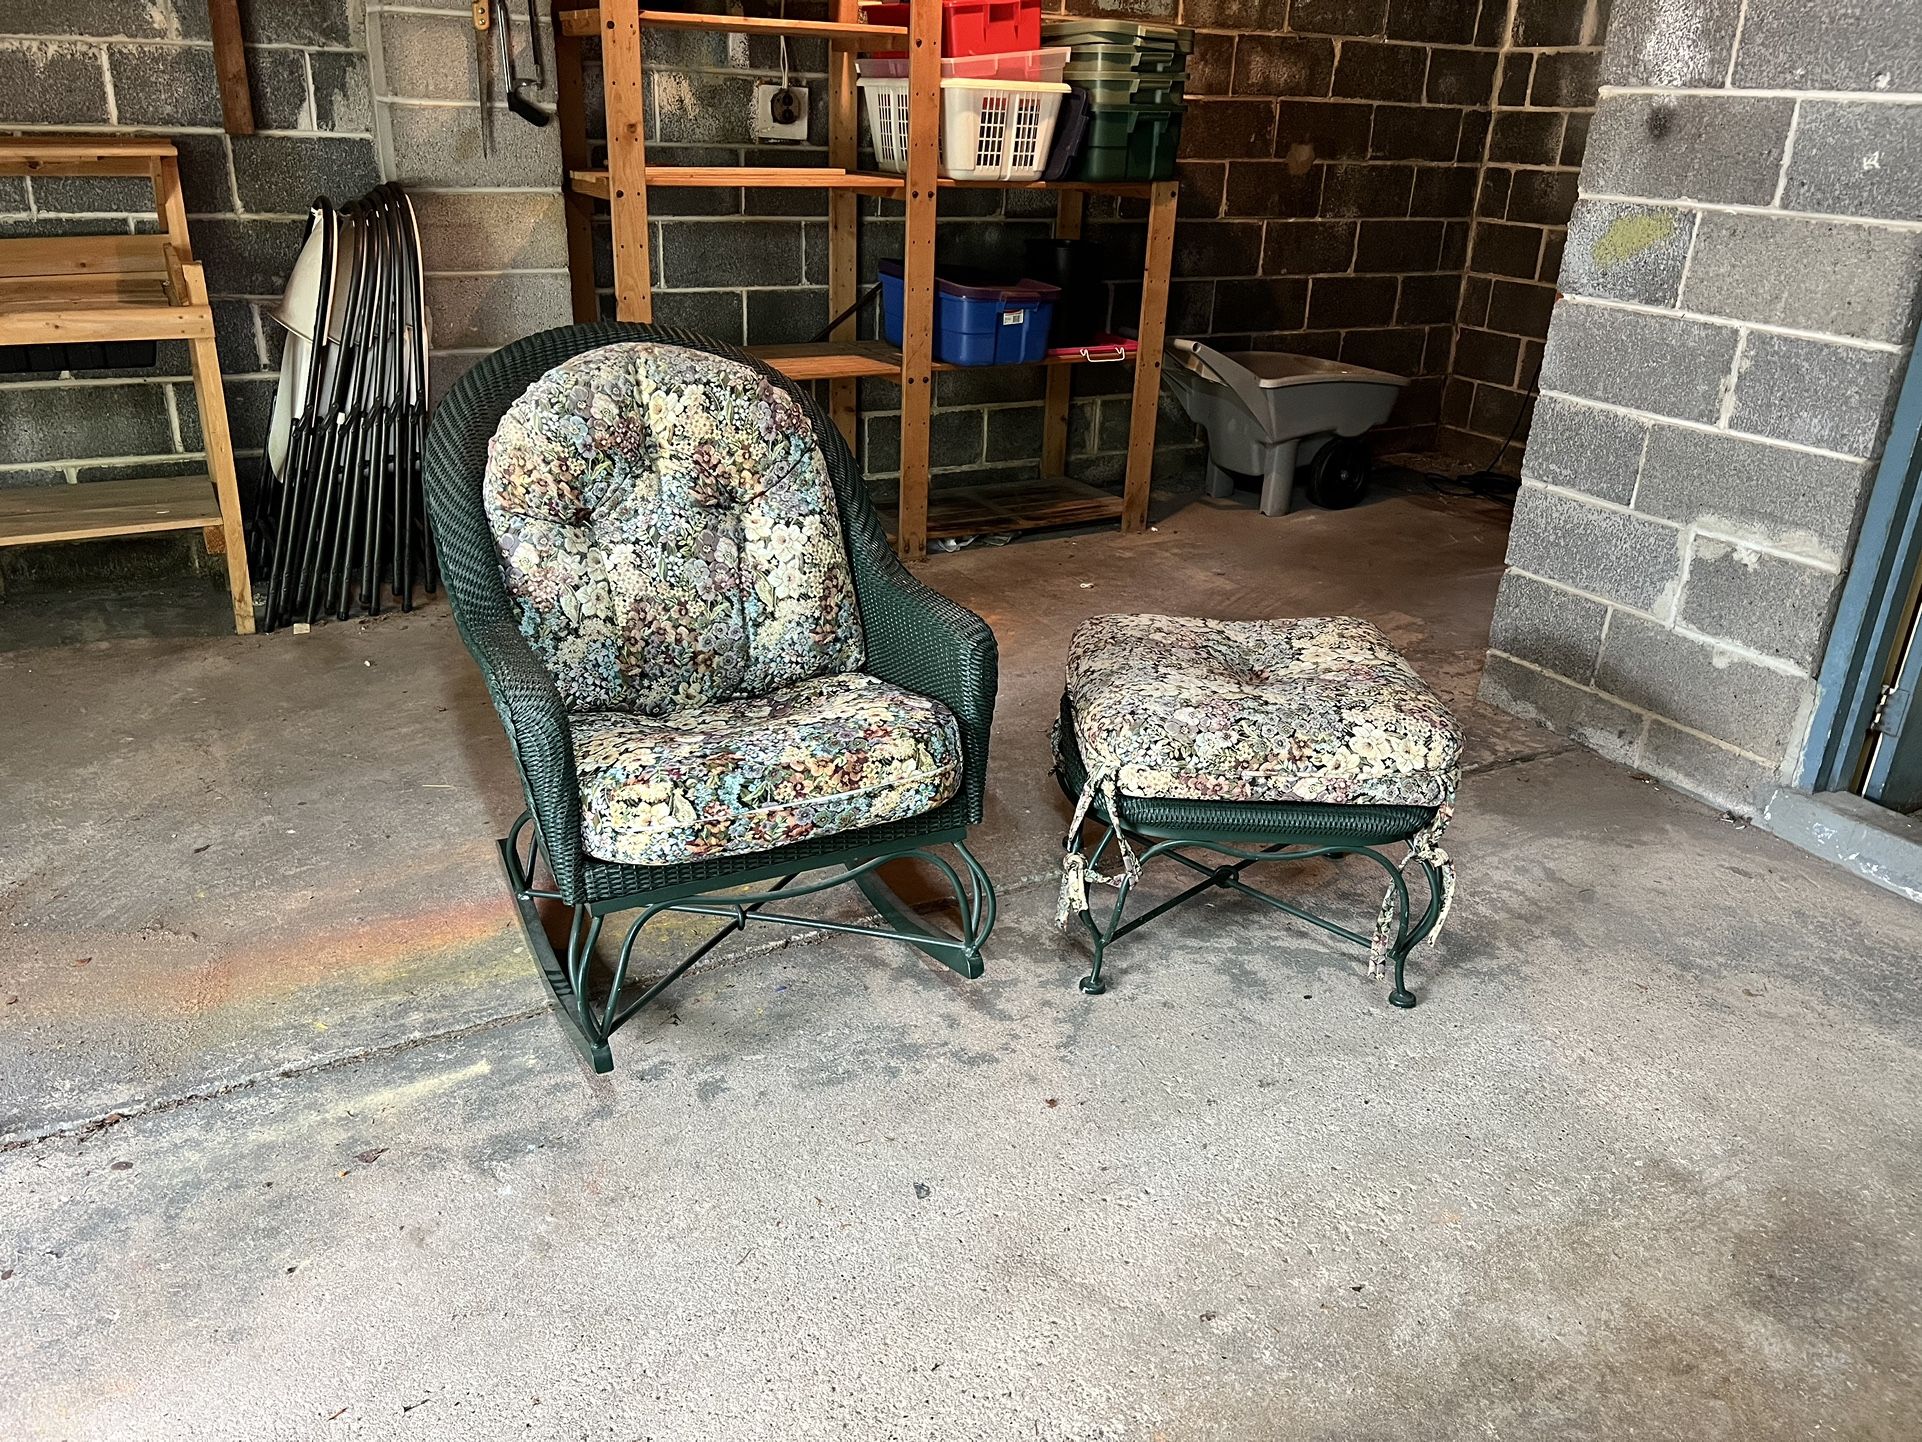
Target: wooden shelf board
30 515
872 182
587 21
994 507
82 154
744 177
831 360
1141 188
96 308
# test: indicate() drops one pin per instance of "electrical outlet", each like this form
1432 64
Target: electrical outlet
780 112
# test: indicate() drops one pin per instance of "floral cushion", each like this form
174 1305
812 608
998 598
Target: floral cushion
1321 709
669 529
825 755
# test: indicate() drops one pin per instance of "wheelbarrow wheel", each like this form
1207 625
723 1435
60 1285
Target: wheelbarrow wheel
1338 477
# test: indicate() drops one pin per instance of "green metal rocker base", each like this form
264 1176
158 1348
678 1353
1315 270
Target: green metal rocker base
592 1022
1247 833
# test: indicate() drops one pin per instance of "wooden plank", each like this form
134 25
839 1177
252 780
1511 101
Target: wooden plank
748 177
585 22
917 276
1068 208
210 398
570 117
844 278
81 154
1151 332
33 515
170 204
627 158
230 67
995 507
46 320
831 360
67 255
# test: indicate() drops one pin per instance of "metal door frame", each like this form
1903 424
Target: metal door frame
1872 618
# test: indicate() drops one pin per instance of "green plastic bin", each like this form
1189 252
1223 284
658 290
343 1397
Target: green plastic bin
1117 32
1131 142
1109 91
1130 60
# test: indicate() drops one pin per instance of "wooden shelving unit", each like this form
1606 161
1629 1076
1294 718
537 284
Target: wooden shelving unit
843 359
61 289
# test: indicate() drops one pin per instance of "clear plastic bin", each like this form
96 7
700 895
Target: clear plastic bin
1044 66
990 129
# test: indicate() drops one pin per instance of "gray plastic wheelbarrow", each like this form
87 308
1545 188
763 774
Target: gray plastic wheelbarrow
1267 413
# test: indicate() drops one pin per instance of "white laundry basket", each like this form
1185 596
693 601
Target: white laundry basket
990 129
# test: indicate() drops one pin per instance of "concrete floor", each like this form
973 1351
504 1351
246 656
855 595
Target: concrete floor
290 1146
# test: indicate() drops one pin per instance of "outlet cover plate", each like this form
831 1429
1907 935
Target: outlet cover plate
780 112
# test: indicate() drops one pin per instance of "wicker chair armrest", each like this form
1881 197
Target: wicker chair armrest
535 720
922 641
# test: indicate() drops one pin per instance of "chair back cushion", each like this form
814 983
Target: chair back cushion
668 529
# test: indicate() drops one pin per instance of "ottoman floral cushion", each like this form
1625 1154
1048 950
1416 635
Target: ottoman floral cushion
825 755
1320 710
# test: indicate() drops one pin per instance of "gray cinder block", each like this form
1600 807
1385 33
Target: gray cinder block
1623 251
1815 393
1727 150
1585 448
1616 555
1666 365
1839 277
1704 687
1792 499
1758 600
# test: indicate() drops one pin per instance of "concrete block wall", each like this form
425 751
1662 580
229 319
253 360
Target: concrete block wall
492 239
1331 159
1544 96
1741 280
108 65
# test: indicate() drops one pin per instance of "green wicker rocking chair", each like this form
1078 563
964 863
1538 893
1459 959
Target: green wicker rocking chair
711 668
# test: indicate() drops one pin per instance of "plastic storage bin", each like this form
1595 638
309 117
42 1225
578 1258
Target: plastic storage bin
975 27
1130 59
1133 143
1109 90
1120 32
1041 65
990 129
977 321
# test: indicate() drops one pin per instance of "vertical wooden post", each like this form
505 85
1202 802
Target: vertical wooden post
844 276
169 204
577 210
230 67
917 276
211 400
1152 331
1054 425
627 158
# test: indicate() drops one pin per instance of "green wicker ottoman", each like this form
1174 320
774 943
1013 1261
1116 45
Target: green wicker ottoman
1224 744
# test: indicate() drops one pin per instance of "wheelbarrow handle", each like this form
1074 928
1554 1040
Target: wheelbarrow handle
1239 379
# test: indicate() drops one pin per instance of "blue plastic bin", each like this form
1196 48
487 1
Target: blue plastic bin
977 320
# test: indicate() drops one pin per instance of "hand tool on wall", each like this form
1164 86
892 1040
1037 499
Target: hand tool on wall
484 70
517 101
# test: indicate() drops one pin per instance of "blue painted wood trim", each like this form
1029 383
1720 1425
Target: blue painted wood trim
1870 612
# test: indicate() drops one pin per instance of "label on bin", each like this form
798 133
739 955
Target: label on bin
1013 317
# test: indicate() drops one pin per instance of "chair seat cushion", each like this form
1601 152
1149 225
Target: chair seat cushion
825 755
1321 709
